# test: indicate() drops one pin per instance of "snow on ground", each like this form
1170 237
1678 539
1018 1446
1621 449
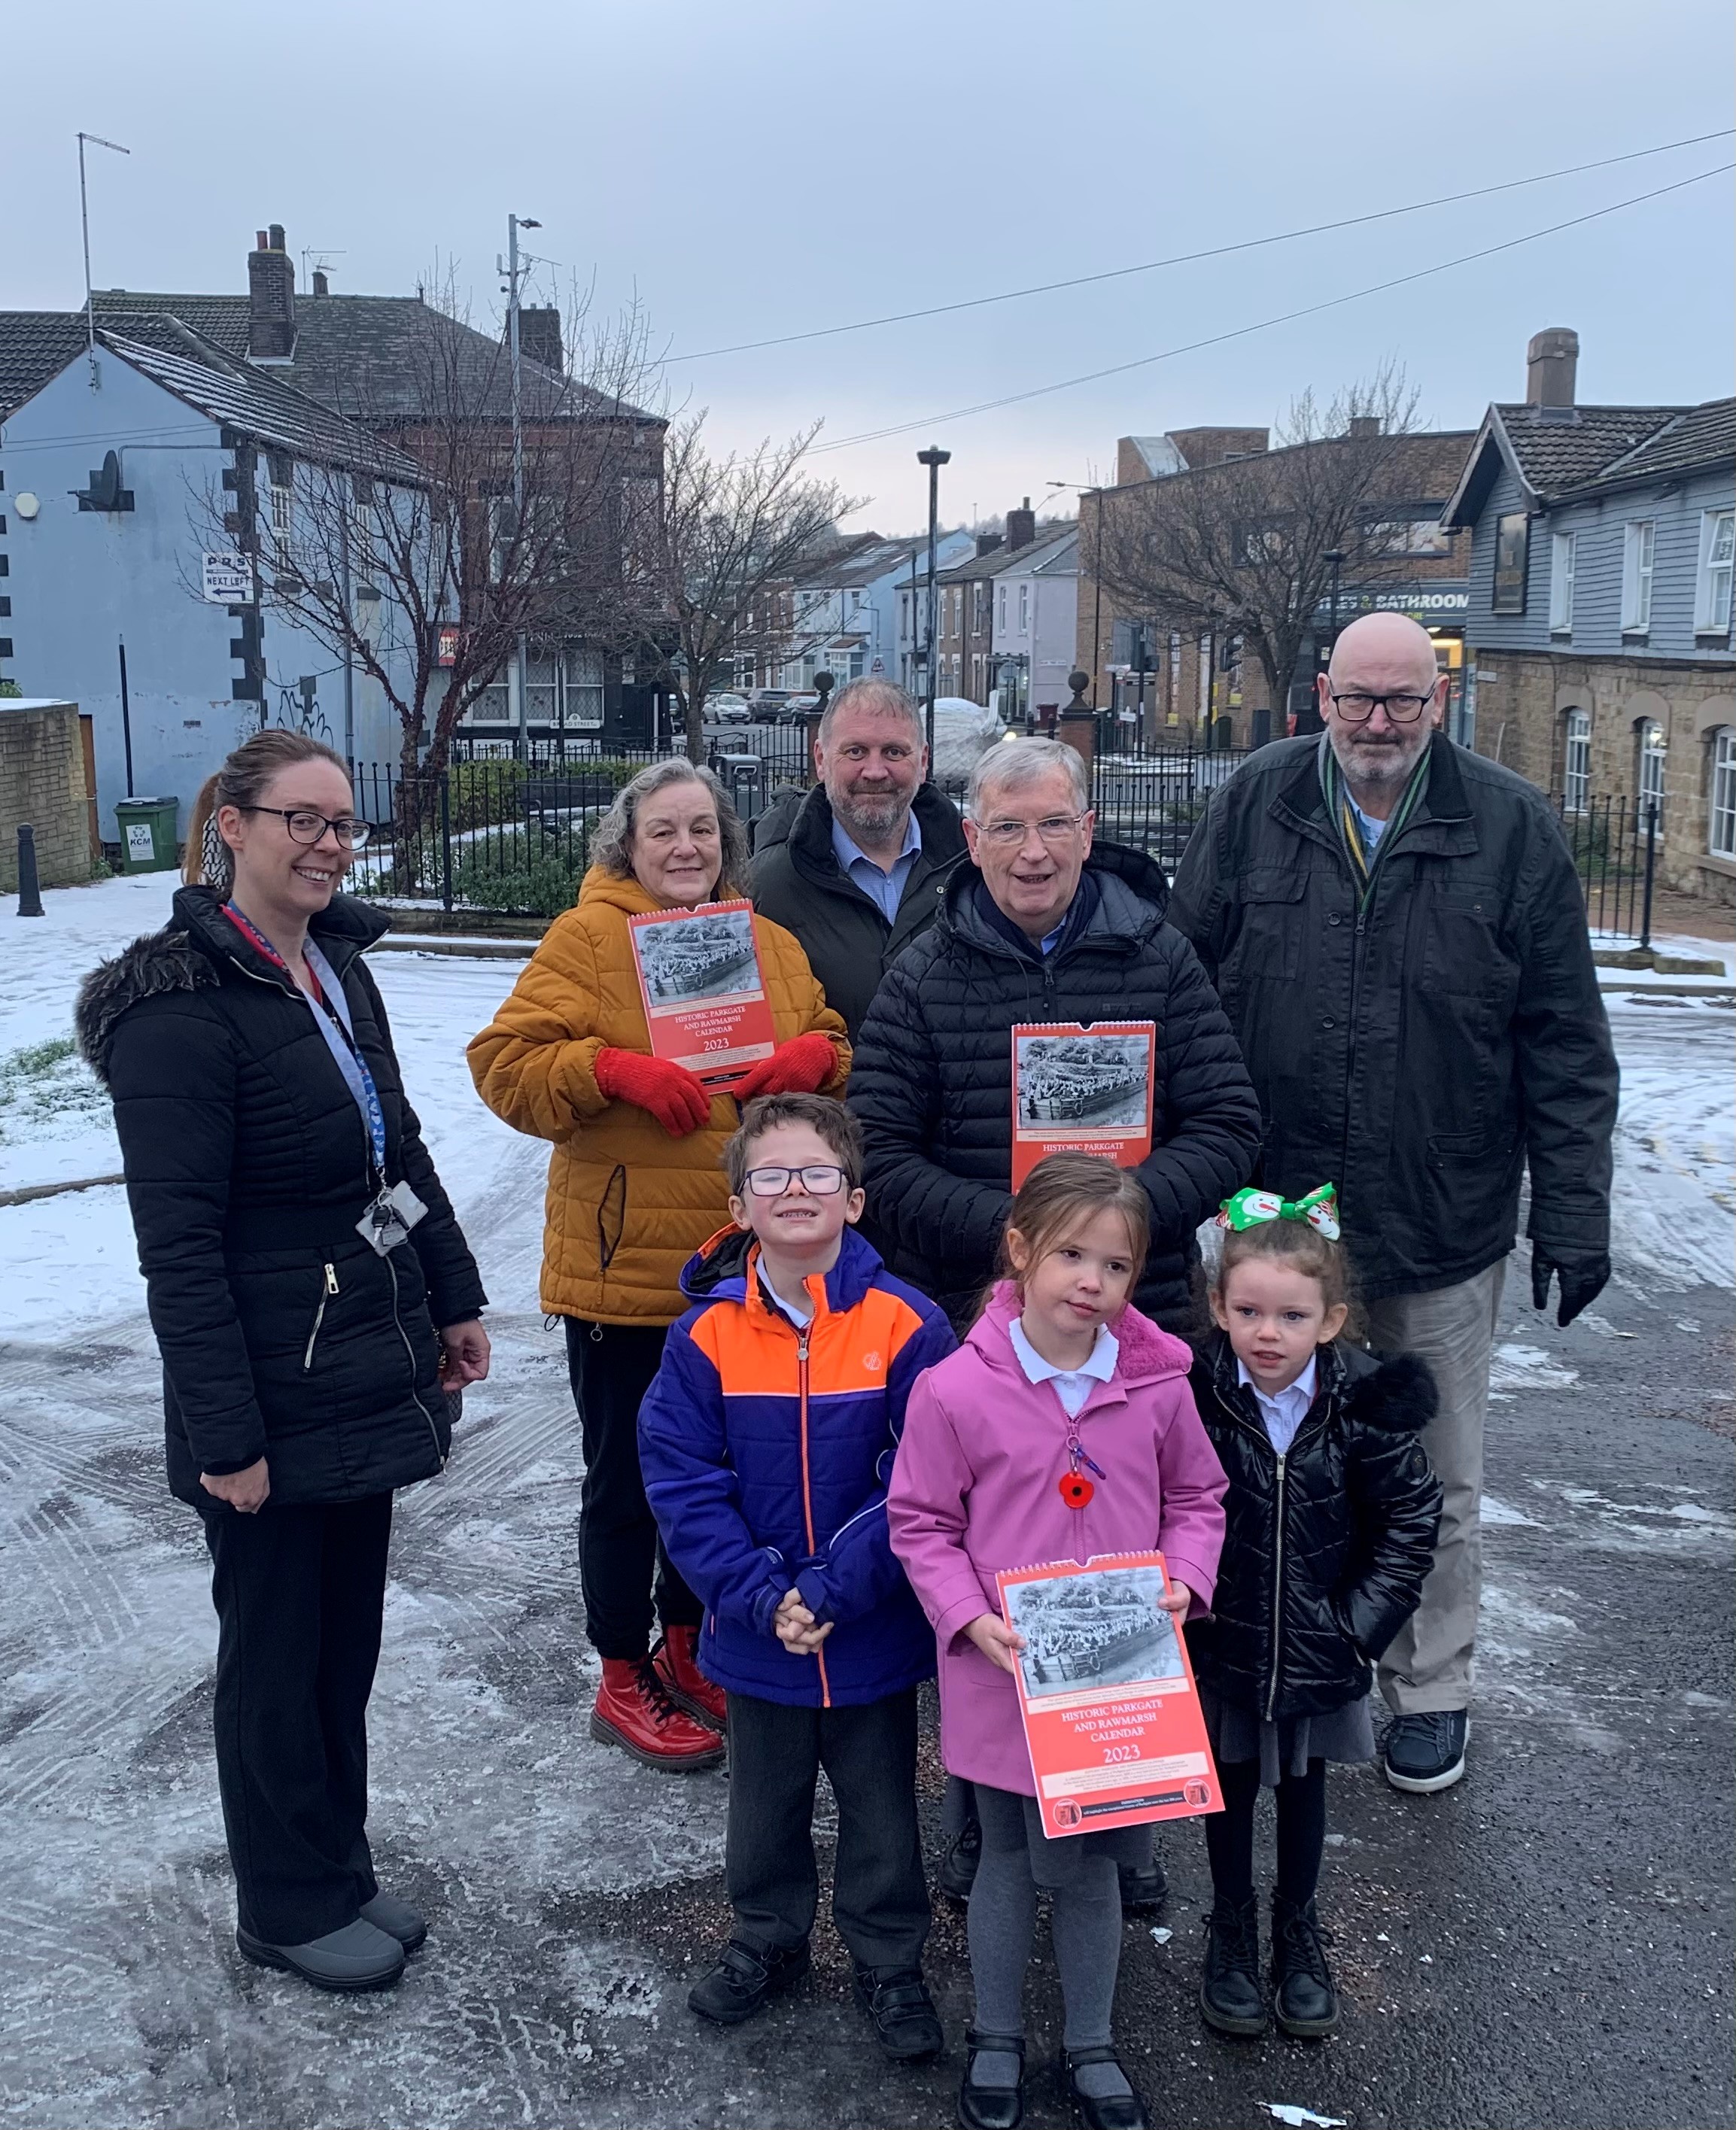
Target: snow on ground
491 1804
69 1260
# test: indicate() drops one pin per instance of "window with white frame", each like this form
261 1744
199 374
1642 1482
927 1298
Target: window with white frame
282 495
1000 606
1721 813
1562 560
1577 777
1639 542
1712 584
1024 608
1172 707
978 608
1653 754
1205 674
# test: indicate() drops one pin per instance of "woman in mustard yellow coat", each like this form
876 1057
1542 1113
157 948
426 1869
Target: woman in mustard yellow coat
634 1188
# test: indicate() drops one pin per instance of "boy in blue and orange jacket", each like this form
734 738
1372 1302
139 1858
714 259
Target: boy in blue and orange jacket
766 1442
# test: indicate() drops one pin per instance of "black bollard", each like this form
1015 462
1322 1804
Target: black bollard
30 890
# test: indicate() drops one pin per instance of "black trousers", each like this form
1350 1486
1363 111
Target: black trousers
299 1593
879 1898
610 1367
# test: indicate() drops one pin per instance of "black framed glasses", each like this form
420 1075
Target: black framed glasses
821 1181
305 826
1356 709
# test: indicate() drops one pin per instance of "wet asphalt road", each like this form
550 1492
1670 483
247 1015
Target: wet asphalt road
1550 1944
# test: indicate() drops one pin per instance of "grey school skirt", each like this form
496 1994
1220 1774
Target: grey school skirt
1238 1733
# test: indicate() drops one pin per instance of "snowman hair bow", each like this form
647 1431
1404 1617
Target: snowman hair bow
1249 1209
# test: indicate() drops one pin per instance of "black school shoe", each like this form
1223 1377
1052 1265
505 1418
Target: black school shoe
1229 1991
1423 1753
992 2106
1115 2111
958 1871
905 2021
1145 1887
743 1978
1303 1999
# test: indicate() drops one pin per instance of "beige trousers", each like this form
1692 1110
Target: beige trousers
1428 1666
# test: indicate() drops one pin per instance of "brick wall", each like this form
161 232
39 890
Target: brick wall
42 782
1523 701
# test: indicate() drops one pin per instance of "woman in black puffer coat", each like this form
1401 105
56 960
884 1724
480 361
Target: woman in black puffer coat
1329 1521
305 1374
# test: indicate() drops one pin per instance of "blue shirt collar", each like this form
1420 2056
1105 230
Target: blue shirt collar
849 852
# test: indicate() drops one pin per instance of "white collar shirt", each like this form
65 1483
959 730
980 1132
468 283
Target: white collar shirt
1072 1386
1284 1413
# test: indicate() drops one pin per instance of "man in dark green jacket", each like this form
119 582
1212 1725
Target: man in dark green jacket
854 868
1399 937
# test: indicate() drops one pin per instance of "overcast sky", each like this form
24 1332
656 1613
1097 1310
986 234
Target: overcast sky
773 166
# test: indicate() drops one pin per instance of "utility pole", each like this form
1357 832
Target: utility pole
934 458
513 274
96 140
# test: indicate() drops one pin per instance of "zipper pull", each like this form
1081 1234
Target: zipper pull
331 1280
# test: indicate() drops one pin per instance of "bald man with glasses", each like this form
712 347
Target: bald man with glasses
1397 932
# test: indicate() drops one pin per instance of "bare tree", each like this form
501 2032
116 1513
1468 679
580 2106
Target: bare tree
717 556
395 540
1244 547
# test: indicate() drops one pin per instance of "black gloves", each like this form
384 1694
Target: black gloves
1581 1283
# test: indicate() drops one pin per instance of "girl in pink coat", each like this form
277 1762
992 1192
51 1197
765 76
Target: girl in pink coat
1062 1428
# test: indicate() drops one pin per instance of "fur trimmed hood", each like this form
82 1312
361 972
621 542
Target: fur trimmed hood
165 961
1399 1395
189 954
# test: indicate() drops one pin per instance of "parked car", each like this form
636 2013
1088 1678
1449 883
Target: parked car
764 704
727 710
796 711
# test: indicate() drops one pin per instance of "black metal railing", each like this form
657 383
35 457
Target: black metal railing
1614 841
513 837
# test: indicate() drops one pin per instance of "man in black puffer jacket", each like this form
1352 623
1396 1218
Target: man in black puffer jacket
1040 927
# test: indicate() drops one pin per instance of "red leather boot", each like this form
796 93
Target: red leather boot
677 1659
635 1710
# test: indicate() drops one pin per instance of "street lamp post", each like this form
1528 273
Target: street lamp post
1307 718
934 458
514 276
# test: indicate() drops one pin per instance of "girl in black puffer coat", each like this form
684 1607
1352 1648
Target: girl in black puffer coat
1330 1528
305 1369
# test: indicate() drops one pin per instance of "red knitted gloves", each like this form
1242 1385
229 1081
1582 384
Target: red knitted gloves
663 1090
800 1067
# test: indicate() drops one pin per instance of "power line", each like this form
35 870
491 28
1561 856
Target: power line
1262 325
1188 258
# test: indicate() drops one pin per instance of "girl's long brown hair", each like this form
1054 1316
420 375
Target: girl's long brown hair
1061 1195
240 782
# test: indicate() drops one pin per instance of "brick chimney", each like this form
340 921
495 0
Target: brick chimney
270 298
540 335
1365 428
1021 525
1552 367
986 543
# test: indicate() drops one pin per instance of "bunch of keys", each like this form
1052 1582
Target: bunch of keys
388 1221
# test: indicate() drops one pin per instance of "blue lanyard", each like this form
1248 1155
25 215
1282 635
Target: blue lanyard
331 1017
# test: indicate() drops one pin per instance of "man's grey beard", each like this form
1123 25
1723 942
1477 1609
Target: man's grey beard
876 818
1383 768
